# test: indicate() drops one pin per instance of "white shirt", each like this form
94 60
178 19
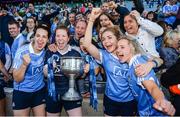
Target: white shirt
147 32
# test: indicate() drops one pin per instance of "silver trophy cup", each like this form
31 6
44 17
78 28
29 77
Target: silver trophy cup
71 67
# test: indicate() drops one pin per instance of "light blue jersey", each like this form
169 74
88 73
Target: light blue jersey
117 87
17 43
33 78
171 19
144 99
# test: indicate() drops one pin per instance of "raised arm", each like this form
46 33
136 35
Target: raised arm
152 27
87 43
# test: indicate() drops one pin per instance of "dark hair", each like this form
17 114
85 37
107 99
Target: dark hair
97 22
81 20
43 26
63 28
154 16
106 14
14 22
33 20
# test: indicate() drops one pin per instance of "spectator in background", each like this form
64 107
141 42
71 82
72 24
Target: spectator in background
19 39
29 29
171 12
105 7
170 50
31 12
4 19
151 16
90 7
170 80
70 23
80 29
144 31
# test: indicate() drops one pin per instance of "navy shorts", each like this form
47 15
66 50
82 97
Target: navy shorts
2 94
114 108
56 106
23 100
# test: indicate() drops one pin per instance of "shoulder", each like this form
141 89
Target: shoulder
138 59
75 52
23 49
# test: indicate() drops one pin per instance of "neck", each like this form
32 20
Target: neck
130 57
35 50
30 29
64 49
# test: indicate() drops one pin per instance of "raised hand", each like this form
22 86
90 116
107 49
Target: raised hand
26 59
95 14
135 14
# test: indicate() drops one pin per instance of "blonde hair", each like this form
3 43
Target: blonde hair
115 30
135 47
169 38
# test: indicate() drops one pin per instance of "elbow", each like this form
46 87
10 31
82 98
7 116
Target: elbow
160 31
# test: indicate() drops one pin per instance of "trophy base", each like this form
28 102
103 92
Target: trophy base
71 95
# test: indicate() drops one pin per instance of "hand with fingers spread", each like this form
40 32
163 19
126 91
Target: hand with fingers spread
164 106
26 59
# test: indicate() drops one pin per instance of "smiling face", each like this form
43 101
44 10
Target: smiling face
104 21
40 40
62 39
124 50
80 29
130 25
14 30
109 41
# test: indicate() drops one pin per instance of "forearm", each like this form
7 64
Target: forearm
152 27
153 89
18 74
88 33
4 71
157 94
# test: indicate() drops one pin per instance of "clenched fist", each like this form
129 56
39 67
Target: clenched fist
26 59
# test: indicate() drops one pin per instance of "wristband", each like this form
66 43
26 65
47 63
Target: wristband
155 62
